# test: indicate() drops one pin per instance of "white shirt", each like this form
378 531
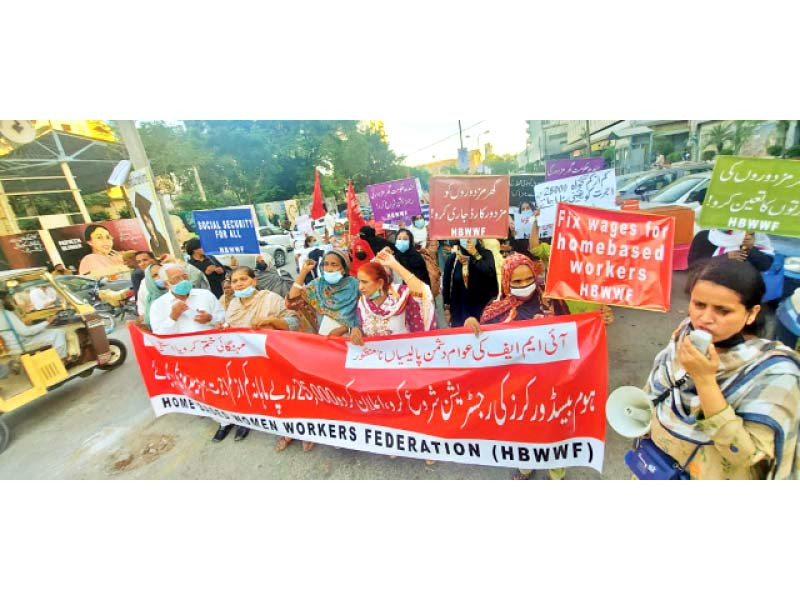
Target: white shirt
41 299
161 323
330 223
420 235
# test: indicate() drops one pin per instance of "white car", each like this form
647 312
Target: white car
688 191
275 235
269 251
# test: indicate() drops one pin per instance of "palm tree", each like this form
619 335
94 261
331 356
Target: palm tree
743 131
719 135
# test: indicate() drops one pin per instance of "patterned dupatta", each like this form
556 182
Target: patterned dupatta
753 378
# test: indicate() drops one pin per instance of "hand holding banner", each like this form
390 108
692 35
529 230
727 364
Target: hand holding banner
528 394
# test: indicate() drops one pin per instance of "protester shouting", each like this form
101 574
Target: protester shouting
328 303
737 416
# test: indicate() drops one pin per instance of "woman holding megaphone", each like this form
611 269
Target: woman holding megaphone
732 411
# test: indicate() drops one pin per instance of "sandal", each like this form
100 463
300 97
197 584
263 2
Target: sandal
307 446
282 443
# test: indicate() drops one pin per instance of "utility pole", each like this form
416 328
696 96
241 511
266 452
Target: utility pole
139 161
199 184
460 138
588 141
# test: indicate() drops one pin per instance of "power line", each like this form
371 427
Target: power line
444 139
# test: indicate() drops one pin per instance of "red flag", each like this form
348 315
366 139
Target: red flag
354 210
317 208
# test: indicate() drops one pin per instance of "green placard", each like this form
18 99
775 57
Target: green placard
753 194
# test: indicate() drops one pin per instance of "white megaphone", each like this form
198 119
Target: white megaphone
628 411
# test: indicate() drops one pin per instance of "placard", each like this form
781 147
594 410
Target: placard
572 167
612 257
227 230
394 201
469 207
598 189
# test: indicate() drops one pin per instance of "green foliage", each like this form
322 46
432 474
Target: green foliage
664 146
775 150
726 152
673 157
719 135
708 155
501 164
125 213
100 215
243 162
742 131
793 152
610 155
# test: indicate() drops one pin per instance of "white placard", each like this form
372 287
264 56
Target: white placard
598 189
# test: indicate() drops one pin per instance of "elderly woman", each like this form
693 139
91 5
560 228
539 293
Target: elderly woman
329 302
521 299
255 309
102 259
332 297
153 288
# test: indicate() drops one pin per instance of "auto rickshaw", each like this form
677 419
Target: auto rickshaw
47 337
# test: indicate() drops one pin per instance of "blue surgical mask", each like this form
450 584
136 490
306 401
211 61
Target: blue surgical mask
183 288
337 234
245 293
332 277
187 258
527 213
419 223
375 295
315 243
160 284
402 245
465 242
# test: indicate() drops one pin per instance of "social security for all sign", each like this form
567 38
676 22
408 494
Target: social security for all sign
227 231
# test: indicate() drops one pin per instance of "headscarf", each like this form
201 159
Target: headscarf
506 301
729 240
153 293
359 244
412 260
745 375
402 302
377 244
336 300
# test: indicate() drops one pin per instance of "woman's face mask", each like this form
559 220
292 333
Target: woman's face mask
245 293
332 277
419 223
523 292
402 245
361 255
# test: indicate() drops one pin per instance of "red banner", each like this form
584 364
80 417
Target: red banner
528 395
469 207
612 257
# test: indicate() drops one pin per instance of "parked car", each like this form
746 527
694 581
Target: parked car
649 183
275 235
689 190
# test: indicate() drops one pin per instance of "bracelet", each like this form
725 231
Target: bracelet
297 285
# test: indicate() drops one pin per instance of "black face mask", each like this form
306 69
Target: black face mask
360 255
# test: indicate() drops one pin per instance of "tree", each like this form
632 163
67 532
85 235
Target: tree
743 131
718 136
664 146
501 164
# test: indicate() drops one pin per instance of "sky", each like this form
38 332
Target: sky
428 141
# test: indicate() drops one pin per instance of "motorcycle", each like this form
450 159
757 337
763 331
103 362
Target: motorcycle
113 305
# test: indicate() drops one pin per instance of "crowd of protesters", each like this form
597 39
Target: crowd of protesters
361 284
